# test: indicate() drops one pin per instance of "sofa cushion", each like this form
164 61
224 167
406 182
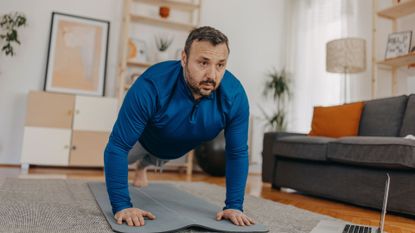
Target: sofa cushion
302 147
385 152
408 123
382 117
336 121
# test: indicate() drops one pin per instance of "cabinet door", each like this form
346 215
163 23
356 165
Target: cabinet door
46 146
88 148
49 110
95 113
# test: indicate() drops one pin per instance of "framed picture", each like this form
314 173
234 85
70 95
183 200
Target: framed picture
77 55
137 50
398 44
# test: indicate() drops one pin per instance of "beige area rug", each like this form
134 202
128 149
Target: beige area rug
57 205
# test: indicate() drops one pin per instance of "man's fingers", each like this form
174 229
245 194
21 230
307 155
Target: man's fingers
141 219
240 221
234 220
119 220
129 221
136 221
246 220
251 220
149 215
219 215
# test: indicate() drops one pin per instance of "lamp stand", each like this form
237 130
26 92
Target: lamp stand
345 85
345 89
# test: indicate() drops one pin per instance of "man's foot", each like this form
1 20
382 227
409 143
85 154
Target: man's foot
140 179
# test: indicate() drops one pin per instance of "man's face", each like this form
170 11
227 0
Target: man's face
204 67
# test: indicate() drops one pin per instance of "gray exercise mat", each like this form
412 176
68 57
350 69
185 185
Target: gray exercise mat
174 210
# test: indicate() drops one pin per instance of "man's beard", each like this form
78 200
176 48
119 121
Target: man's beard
196 88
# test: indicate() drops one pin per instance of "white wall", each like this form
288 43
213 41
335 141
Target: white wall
255 29
26 70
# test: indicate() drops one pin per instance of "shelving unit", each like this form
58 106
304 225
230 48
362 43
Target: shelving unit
399 61
132 16
393 13
162 22
398 10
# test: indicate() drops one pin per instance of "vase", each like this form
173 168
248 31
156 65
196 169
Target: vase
162 56
164 11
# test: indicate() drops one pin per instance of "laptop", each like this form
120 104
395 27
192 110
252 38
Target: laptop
325 226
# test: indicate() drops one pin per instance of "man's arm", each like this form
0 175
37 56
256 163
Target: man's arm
137 108
236 135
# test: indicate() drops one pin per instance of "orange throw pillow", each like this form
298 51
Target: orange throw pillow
336 121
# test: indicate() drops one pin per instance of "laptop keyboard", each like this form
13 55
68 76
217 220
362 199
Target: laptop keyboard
356 229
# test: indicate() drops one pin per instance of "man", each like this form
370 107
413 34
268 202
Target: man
172 108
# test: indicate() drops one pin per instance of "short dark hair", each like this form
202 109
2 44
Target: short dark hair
205 33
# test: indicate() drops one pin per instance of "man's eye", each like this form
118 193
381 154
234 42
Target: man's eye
221 65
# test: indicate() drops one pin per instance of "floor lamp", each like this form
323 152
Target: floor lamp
347 56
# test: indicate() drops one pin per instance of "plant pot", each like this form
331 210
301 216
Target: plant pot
162 56
164 11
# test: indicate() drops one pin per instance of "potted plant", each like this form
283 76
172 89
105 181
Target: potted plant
9 23
278 86
162 44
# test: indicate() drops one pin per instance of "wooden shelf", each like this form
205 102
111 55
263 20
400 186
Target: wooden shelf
162 22
400 10
399 61
184 6
139 64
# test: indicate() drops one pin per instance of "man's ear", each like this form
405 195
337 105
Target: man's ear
184 59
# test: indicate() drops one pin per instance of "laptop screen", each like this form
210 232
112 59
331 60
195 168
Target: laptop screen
385 204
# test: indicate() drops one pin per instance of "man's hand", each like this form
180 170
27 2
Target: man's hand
235 216
133 216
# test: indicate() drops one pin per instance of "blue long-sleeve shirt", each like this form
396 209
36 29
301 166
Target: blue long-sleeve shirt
160 111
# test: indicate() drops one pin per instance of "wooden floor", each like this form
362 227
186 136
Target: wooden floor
394 223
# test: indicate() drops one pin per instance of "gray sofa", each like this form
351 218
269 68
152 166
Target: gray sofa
351 169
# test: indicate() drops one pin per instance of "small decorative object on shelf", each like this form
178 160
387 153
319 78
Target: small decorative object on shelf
137 50
163 43
164 11
398 44
9 23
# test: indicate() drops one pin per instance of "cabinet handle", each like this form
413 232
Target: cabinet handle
73 147
77 111
69 112
66 147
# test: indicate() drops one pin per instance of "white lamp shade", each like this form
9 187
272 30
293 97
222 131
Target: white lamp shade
347 55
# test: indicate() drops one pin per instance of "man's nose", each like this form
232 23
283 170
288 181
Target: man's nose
211 72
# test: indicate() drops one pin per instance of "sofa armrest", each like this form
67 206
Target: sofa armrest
268 159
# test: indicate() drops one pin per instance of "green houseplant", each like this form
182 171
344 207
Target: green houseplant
162 44
277 86
9 23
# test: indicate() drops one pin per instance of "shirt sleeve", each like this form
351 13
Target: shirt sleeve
136 110
236 136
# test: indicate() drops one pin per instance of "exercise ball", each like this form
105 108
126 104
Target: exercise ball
211 157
